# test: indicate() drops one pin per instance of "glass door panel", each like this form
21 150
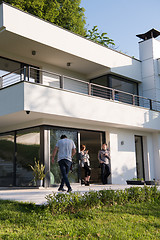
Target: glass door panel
55 174
93 142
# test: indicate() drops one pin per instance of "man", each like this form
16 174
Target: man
66 150
104 160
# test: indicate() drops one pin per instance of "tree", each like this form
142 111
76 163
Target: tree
101 38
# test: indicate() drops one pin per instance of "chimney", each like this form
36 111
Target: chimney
149 50
153 33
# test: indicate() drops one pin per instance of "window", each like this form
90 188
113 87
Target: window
6 160
28 148
117 83
125 88
123 85
13 71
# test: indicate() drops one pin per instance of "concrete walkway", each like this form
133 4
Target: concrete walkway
37 196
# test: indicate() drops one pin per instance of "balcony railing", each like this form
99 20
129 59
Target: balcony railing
50 79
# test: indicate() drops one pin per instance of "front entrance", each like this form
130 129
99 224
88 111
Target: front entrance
93 141
55 174
139 157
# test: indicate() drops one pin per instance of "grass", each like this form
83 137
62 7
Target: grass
128 221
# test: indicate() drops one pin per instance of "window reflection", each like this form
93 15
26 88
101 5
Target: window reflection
7 66
6 160
28 148
117 83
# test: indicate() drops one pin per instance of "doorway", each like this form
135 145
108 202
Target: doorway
93 142
139 157
55 174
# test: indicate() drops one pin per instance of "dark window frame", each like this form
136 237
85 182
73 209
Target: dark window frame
109 81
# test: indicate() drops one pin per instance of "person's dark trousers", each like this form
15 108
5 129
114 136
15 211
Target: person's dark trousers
87 170
65 166
105 172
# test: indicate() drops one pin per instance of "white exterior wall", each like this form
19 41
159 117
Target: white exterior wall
123 161
156 149
123 157
150 161
12 100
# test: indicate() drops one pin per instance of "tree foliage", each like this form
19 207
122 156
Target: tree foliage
101 38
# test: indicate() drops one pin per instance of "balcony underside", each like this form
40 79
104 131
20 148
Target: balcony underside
20 46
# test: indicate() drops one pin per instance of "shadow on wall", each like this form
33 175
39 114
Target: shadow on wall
119 176
131 67
151 119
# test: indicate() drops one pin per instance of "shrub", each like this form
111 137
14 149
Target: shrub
74 202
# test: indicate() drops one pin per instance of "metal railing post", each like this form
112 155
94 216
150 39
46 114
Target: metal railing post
28 73
25 72
62 81
89 88
1 82
113 94
150 104
133 100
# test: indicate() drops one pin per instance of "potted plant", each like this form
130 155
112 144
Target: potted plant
38 172
135 181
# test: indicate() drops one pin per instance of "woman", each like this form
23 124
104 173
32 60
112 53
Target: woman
85 163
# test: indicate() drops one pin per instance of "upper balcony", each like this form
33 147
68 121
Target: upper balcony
54 80
49 96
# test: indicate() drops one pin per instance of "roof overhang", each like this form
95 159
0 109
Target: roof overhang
21 33
17 45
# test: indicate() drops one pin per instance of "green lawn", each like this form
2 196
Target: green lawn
130 221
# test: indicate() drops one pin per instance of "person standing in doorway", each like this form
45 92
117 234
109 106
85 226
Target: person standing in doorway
66 150
85 163
104 160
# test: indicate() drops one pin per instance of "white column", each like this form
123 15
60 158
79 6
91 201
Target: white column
156 148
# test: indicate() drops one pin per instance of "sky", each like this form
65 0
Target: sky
122 20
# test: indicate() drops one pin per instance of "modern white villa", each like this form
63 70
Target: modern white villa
55 82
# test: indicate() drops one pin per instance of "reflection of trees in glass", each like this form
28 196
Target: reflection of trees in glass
6 160
26 154
28 147
54 137
27 150
6 150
